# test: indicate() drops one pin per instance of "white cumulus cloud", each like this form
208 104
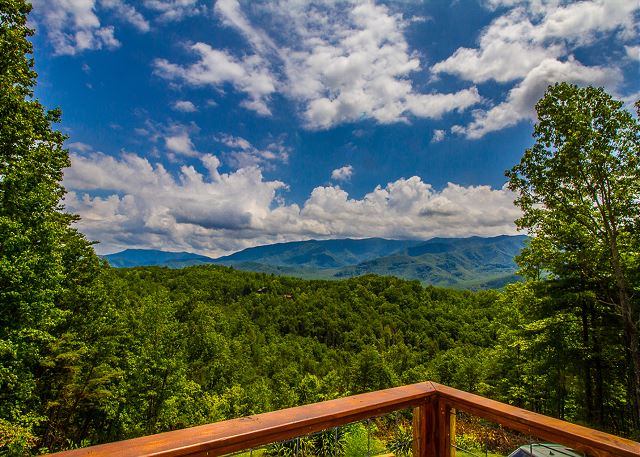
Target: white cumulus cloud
339 62
241 153
532 44
174 10
127 13
73 27
215 68
342 173
184 106
175 137
180 143
521 100
128 201
633 52
438 135
352 63
506 52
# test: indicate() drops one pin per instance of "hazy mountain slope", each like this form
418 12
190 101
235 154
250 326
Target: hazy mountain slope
449 261
152 257
322 254
474 263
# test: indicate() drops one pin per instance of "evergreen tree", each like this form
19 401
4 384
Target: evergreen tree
40 253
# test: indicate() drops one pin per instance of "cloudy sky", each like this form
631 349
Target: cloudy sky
214 126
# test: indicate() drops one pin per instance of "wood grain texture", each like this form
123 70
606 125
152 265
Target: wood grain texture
593 442
247 432
433 427
443 426
420 421
452 432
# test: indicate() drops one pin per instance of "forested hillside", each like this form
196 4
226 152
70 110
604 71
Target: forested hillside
175 348
163 348
465 263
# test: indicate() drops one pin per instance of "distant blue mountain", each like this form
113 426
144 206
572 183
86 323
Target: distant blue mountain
473 262
151 257
318 253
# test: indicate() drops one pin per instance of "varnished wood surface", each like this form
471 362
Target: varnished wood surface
452 431
444 427
247 432
593 442
434 428
420 420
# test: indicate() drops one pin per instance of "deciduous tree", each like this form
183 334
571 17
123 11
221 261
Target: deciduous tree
579 189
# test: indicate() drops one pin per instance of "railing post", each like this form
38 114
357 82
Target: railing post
443 433
432 424
421 439
428 428
452 432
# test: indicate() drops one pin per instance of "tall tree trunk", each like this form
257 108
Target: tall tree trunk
632 340
597 362
588 361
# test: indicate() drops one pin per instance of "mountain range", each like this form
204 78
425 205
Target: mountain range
473 263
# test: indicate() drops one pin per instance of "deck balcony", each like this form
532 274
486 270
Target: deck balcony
434 411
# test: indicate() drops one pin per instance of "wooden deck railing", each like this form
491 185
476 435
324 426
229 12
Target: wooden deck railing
433 405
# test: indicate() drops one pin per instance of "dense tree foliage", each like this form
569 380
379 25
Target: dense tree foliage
90 354
45 265
206 343
579 189
167 349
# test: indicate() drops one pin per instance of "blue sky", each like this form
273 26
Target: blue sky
214 126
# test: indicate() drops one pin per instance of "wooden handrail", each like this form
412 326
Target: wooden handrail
252 431
433 403
593 442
